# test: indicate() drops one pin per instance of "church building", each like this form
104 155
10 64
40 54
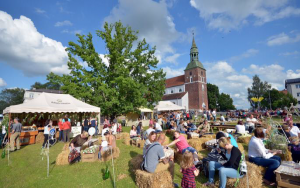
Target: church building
189 90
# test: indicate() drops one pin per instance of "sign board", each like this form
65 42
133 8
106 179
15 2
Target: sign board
75 131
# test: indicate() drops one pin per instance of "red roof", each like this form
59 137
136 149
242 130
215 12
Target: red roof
284 91
175 81
173 96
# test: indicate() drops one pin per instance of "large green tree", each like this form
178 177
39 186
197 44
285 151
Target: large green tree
218 101
130 81
278 99
47 85
10 97
258 89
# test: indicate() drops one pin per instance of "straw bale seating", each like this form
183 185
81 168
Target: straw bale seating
106 155
161 178
39 138
126 141
62 158
244 140
198 143
255 177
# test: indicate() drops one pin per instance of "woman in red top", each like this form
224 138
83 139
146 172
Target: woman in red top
66 130
60 127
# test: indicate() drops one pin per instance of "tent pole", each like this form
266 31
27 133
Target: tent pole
8 148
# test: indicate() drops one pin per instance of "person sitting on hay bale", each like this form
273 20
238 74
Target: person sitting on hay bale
294 130
182 145
153 155
157 127
228 169
203 128
294 148
78 141
260 156
151 139
108 144
148 131
226 135
191 127
240 127
133 134
180 128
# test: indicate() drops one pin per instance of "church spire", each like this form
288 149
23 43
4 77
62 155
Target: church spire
194 43
194 61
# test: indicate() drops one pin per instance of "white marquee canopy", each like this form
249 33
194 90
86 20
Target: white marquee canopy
52 103
167 106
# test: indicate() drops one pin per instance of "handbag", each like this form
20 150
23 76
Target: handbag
74 156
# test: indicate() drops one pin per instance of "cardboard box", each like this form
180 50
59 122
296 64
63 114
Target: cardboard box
90 157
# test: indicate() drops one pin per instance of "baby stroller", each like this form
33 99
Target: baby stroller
51 139
3 140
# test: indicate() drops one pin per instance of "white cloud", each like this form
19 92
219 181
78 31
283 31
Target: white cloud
172 59
247 54
73 32
151 19
2 83
225 15
39 11
24 48
289 53
230 82
63 23
291 74
282 38
173 72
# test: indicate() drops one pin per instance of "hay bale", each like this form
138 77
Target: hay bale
62 158
154 180
244 140
286 155
125 135
39 138
198 143
136 162
106 155
241 148
66 147
167 141
254 175
126 141
170 132
141 143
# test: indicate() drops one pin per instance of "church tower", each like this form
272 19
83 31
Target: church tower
195 81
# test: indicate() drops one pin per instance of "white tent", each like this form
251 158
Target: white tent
167 106
52 103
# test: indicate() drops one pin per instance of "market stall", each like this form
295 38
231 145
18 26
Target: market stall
167 106
145 116
33 114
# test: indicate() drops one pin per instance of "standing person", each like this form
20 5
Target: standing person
214 114
86 125
61 131
94 124
177 118
47 129
228 169
15 134
260 156
67 130
139 129
188 170
187 116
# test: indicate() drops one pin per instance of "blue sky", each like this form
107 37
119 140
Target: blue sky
236 39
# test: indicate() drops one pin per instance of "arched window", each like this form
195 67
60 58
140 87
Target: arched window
191 79
190 73
171 91
202 87
201 73
180 90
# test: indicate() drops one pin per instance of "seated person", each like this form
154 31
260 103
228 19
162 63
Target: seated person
158 128
153 155
133 133
148 131
182 145
180 127
286 130
203 128
191 127
173 125
114 128
228 169
240 127
104 130
251 121
294 148
111 143
78 141
222 119
260 156
226 135
151 139
294 130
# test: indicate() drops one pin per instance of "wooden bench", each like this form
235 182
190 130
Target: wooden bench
288 174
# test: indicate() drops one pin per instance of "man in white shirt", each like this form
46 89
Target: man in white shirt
251 123
158 128
294 130
214 114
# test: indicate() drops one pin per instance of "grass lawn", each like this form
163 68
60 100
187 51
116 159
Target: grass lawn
27 169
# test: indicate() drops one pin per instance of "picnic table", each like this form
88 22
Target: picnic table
288 174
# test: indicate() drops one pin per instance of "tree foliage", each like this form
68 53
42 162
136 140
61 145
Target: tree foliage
258 89
10 97
278 99
218 101
47 85
130 81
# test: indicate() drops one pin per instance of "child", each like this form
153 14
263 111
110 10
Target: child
294 147
188 170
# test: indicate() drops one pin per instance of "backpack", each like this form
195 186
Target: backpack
143 163
74 156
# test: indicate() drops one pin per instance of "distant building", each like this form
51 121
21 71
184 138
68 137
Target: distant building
189 90
293 87
34 93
